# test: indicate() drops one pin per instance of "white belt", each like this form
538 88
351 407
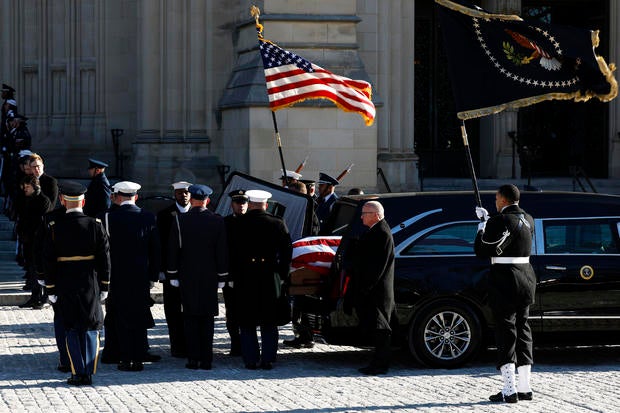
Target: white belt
510 260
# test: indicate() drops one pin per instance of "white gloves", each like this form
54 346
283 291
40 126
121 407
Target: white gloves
103 295
482 226
41 283
52 298
482 213
162 276
174 283
221 284
231 284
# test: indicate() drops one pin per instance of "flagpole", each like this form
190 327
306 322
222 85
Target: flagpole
279 142
470 164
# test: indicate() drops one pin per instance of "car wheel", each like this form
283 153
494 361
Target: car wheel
445 334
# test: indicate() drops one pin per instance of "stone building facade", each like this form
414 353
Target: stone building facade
183 80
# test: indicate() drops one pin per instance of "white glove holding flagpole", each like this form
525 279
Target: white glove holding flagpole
482 214
174 283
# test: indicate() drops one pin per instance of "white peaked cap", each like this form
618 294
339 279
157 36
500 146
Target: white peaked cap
257 195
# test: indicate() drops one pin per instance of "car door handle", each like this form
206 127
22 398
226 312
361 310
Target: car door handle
555 267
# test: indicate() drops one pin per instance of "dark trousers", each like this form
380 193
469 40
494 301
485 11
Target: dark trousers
269 344
199 338
131 342
83 348
382 341
513 336
173 311
61 338
111 349
232 319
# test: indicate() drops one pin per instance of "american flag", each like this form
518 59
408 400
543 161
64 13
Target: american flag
315 253
291 79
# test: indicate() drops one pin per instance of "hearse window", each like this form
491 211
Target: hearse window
579 237
340 218
456 239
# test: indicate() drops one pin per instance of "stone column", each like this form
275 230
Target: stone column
495 145
614 105
150 45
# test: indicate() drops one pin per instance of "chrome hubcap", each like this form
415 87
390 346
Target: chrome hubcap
447 335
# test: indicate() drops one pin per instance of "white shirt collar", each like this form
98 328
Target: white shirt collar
76 209
183 209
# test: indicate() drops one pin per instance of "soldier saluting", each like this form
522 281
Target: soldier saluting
77 268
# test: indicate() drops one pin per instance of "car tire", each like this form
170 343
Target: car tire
445 334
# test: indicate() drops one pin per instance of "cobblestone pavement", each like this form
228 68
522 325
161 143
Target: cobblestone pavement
323 379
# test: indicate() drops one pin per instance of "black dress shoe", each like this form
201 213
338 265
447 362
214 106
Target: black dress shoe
266 366
28 304
148 357
499 397
87 379
192 365
373 370
525 396
250 366
64 369
137 366
205 366
125 366
75 380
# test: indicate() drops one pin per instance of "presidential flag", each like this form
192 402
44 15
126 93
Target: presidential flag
500 61
291 78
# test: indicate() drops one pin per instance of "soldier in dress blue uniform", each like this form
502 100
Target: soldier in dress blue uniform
99 190
77 269
263 265
173 308
198 264
134 250
506 238
327 198
239 205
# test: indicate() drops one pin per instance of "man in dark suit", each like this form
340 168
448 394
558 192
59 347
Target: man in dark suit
49 184
99 190
239 206
507 239
373 284
134 250
198 264
263 264
77 270
327 198
173 308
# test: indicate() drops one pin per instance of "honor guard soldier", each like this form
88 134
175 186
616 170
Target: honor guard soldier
198 264
289 178
135 250
262 267
327 198
99 190
506 238
77 269
239 205
310 188
173 308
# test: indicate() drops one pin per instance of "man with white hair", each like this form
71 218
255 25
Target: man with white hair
372 281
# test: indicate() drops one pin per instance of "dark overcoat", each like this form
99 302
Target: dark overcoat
49 188
77 267
135 255
373 277
263 260
165 218
324 209
509 284
98 196
198 257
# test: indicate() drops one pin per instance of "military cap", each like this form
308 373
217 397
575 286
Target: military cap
24 152
94 163
291 174
7 88
12 102
199 192
257 195
181 185
308 182
238 195
126 188
326 179
72 190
